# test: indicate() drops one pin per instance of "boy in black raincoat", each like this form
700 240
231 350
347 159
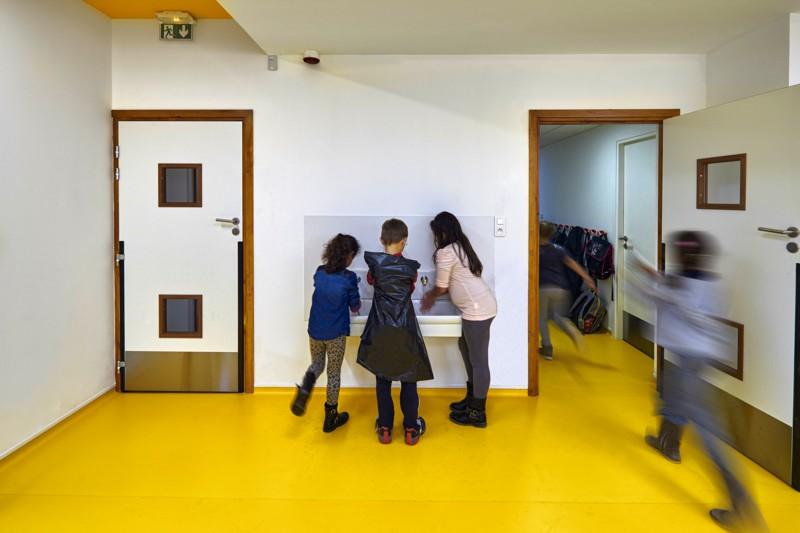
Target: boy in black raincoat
391 345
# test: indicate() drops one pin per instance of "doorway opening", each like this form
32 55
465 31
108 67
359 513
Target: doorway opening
585 194
181 254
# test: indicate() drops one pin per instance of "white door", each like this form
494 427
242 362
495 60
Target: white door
637 229
181 268
756 267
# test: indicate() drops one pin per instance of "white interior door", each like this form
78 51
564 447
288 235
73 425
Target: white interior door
181 265
760 270
760 274
638 228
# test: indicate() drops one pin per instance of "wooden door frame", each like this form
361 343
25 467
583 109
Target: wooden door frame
569 117
245 116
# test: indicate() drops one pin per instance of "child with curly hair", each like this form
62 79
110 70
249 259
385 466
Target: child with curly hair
335 296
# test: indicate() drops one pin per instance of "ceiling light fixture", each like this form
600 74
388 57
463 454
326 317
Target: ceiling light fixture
175 17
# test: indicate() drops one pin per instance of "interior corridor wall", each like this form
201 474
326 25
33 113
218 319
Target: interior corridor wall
578 184
56 285
751 64
385 135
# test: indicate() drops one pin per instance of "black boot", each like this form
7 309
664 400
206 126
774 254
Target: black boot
462 405
333 418
303 392
475 415
668 441
743 517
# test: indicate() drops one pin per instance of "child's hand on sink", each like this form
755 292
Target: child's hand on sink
427 301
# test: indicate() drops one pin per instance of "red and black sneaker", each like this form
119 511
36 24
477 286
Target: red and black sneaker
413 434
384 433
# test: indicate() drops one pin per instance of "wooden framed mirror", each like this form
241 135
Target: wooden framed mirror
721 182
731 359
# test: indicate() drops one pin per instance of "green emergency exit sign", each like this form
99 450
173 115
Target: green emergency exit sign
177 32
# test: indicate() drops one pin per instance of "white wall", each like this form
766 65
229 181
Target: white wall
56 321
759 272
578 184
754 63
364 135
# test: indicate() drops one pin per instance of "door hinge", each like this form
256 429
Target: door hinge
120 365
118 258
116 173
116 151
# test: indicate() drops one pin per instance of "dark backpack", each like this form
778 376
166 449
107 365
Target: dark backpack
560 238
575 246
588 312
600 258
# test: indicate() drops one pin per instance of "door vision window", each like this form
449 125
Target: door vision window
180 185
180 316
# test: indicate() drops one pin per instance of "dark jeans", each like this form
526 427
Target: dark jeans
409 403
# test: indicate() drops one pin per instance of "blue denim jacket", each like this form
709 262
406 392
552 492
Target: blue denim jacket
335 295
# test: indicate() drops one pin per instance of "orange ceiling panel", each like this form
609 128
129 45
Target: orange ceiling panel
146 9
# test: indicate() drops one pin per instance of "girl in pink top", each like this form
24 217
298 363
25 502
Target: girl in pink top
458 271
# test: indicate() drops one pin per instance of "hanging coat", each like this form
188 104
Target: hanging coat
575 247
391 345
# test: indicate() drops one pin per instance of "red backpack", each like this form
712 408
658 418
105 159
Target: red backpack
600 258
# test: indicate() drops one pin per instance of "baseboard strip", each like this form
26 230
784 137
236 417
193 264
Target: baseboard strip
4 454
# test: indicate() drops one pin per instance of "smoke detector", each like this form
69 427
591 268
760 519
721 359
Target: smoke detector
311 57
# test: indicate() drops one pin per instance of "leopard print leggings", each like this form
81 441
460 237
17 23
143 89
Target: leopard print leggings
334 349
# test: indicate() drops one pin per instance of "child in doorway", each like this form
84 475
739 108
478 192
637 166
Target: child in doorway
688 304
391 345
335 293
554 292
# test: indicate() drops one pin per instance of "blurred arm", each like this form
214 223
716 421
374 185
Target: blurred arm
574 266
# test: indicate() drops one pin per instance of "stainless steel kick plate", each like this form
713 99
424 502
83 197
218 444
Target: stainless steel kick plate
181 371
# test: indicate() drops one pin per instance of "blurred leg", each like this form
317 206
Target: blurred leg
560 303
544 317
699 410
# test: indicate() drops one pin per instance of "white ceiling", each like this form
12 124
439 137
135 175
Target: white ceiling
552 134
500 26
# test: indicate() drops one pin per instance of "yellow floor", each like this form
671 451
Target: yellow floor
571 460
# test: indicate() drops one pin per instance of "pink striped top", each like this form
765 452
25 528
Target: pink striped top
468 292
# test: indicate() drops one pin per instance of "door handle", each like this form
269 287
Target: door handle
789 232
625 242
235 221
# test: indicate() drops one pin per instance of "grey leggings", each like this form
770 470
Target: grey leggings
474 346
554 305
334 349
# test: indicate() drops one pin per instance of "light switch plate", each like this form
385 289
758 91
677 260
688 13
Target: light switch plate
499 226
